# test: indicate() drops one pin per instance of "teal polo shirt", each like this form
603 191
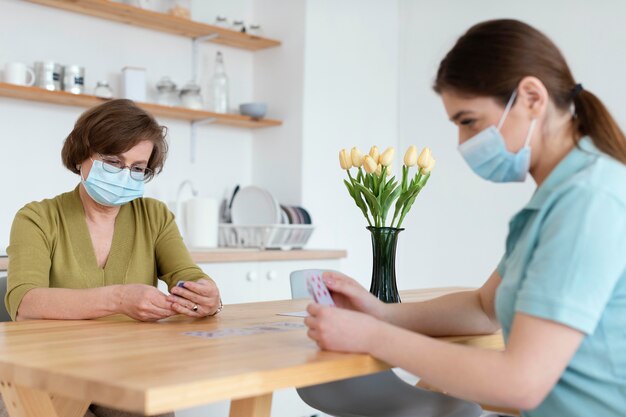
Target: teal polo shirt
565 261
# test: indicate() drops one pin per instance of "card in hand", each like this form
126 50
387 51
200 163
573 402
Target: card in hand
317 289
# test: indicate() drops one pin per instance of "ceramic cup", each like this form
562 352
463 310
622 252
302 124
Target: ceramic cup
19 74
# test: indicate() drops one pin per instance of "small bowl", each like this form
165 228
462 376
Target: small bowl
255 110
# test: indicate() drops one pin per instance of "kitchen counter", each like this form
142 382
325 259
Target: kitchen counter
249 255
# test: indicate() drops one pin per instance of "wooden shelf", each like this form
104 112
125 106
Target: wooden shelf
84 100
248 255
135 16
255 255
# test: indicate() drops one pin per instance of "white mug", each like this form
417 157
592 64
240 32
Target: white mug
200 218
18 73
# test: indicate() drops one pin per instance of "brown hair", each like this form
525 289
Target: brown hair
492 57
113 128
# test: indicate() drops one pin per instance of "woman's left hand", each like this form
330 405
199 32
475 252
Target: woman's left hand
341 330
196 299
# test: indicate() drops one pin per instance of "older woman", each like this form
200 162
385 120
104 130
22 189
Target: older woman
99 249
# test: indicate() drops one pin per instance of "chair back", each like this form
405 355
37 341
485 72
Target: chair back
4 314
297 279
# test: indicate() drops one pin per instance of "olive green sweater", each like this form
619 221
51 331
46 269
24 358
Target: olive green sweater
50 247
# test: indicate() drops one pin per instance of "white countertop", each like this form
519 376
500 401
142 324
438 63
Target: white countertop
249 255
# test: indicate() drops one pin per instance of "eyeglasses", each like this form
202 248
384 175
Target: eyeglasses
113 165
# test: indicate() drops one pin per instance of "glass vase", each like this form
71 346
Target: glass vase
384 242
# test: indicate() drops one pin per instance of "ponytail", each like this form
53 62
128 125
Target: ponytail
594 120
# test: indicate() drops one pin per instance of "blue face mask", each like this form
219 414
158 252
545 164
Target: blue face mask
487 155
111 189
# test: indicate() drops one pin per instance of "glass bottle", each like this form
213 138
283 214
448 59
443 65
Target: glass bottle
218 87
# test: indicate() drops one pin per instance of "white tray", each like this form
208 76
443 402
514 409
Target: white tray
272 236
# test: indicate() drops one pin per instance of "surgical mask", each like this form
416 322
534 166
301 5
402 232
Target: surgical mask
487 155
111 189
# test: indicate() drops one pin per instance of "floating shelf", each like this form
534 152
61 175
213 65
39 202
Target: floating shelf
135 16
82 100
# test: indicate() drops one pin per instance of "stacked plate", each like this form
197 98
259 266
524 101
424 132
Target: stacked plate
256 206
295 215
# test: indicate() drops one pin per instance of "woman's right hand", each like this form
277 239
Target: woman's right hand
349 294
144 302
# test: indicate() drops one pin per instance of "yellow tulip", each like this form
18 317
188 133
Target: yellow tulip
357 157
424 160
369 164
389 170
430 166
344 159
374 153
410 157
386 158
379 169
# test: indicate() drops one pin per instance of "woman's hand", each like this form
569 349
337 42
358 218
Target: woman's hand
349 294
144 302
341 330
202 294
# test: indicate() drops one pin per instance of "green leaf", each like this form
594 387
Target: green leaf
356 196
350 188
367 181
375 183
371 200
399 203
409 204
383 198
389 201
359 201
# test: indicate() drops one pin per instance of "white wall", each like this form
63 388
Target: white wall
350 99
455 233
279 81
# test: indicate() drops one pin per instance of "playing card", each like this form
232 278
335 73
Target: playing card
317 288
247 331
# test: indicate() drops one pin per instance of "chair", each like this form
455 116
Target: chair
494 410
379 395
4 314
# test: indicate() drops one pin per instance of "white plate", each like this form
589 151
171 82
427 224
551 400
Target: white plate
253 206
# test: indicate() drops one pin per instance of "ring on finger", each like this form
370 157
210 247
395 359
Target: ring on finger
195 307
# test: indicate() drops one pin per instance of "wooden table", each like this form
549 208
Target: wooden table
57 368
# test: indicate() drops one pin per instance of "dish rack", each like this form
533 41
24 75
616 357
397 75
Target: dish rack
272 236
